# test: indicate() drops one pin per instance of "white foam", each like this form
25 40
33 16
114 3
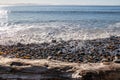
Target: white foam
37 33
3 17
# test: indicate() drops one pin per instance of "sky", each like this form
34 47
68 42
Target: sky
62 2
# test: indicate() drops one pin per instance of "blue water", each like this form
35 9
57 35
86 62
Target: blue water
34 24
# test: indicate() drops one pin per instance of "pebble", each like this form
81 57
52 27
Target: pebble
97 50
117 58
54 41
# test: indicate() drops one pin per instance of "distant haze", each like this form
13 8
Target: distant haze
62 2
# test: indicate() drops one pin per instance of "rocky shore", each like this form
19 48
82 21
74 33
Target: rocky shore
42 69
62 60
68 51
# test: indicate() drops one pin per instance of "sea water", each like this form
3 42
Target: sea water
36 24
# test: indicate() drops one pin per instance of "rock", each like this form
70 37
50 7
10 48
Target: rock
4 69
104 60
18 64
53 41
56 70
117 59
49 57
59 52
19 44
70 51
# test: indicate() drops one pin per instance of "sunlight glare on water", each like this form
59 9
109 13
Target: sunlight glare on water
3 16
37 24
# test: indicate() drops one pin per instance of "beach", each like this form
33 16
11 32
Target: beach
68 51
54 42
42 69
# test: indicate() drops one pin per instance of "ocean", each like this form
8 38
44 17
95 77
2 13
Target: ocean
37 24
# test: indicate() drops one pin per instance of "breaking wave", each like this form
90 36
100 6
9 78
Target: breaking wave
13 34
20 24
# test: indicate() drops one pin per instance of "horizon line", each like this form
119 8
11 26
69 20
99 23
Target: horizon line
59 4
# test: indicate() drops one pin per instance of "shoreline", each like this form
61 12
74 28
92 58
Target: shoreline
68 51
19 62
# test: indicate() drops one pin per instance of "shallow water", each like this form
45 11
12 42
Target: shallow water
36 24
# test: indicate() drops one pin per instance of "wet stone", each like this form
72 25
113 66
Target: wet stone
17 64
53 41
97 50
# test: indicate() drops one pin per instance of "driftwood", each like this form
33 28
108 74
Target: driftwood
24 69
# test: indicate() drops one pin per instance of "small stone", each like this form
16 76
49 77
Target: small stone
49 57
117 61
1 53
59 52
117 58
19 44
54 41
17 64
104 60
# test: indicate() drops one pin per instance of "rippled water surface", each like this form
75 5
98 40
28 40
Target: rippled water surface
36 24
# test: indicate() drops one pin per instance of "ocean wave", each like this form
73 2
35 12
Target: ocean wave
48 12
3 13
45 33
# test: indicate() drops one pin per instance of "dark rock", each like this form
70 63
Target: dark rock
4 69
18 64
92 50
19 44
54 41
